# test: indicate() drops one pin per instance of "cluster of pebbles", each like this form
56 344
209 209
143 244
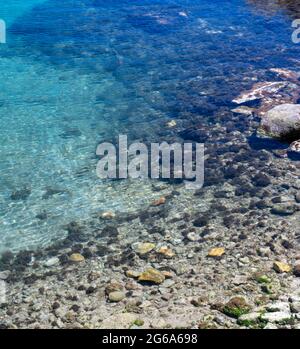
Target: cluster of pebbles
224 256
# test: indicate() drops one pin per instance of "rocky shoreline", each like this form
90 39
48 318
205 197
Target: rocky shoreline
179 264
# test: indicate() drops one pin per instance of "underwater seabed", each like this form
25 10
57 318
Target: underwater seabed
49 134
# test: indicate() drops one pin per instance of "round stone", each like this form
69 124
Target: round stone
116 296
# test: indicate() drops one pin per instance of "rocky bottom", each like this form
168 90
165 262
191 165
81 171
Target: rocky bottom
223 256
205 259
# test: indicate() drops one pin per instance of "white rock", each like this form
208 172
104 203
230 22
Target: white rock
264 251
294 298
260 90
278 306
276 317
295 306
51 262
4 274
158 323
239 280
2 292
169 283
243 110
119 321
281 120
244 260
193 236
270 326
295 146
250 317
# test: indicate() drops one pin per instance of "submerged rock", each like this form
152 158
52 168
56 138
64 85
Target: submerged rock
42 216
296 270
113 286
166 252
243 110
20 194
153 276
260 90
76 258
284 209
51 262
171 123
236 307
295 147
159 202
282 121
269 95
108 215
216 252
116 296
51 192
132 274
4 274
75 232
196 133
276 105
282 267
144 248
286 74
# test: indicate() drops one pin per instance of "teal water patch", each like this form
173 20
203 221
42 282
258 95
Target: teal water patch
50 128
11 10
51 122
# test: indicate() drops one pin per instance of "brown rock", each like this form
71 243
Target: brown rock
167 274
236 307
166 252
113 287
159 202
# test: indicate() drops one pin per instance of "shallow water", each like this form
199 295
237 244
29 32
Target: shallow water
76 73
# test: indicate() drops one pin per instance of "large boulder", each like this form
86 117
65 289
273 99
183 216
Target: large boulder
282 121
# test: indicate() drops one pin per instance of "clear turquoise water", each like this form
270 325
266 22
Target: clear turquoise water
75 73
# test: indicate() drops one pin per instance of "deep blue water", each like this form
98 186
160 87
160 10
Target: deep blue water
75 73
